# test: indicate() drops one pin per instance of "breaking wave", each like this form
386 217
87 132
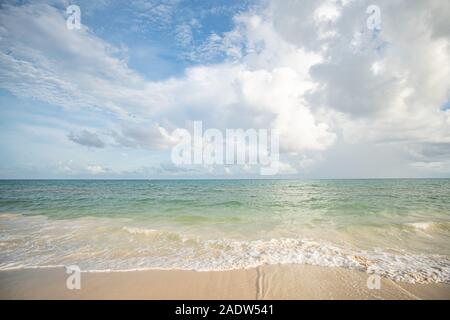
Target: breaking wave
98 245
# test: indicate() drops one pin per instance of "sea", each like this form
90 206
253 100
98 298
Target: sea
396 228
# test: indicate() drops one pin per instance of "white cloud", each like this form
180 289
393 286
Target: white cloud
40 58
286 168
96 169
150 136
265 86
87 138
310 69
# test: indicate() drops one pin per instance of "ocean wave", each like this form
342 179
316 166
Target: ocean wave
399 267
429 225
154 233
115 245
223 255
146 232
421 225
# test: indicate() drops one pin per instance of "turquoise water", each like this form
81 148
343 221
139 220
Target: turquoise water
396 228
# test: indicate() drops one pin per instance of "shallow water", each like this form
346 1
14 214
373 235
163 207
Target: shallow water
396 228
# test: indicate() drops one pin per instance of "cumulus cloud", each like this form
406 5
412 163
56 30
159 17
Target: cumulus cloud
87 138
96 169
150 136
310 69
376 87
265 91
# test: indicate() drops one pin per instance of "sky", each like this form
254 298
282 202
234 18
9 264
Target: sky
348 101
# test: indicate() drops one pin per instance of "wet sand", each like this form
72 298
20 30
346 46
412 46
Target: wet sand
268 282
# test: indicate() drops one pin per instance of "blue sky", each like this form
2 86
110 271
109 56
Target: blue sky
101 102
151 31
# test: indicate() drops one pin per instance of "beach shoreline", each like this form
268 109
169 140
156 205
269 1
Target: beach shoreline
265 282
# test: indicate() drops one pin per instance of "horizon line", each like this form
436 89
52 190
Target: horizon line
203 179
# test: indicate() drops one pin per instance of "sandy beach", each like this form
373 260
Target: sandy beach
268 282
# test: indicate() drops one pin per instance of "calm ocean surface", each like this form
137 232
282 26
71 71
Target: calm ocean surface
396 228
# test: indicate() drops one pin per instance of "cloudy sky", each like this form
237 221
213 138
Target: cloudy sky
102 101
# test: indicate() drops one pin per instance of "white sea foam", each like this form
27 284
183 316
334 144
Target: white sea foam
100 245
146 232
420 225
